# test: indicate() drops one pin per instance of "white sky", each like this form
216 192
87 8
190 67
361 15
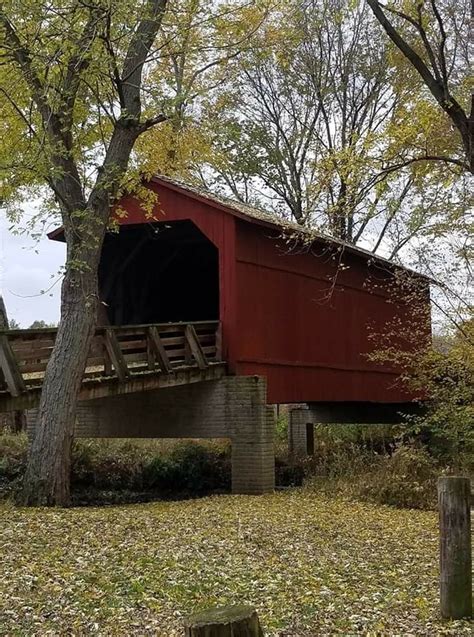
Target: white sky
26 268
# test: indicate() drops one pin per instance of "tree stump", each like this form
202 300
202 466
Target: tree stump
454 499
228 621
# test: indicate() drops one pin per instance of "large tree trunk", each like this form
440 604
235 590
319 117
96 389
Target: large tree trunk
47 478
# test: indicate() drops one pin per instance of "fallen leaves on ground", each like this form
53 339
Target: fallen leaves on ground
311 565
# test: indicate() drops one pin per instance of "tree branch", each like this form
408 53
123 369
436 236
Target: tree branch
438 89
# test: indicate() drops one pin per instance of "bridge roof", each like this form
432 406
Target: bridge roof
253 214
289 229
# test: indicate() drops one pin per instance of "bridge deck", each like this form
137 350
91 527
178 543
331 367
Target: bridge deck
124 359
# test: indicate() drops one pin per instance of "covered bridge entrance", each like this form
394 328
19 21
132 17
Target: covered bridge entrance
159 272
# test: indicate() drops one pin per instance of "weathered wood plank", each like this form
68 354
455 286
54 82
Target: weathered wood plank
32 355
135 344
107 360
150 352
113 349
170 341
9 366
159 350
195 347
218 341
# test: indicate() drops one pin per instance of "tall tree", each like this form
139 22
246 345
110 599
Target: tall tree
304 126
433 36
324 123
72 80
201 46
82 82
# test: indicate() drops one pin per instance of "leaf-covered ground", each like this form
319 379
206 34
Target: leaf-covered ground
312 566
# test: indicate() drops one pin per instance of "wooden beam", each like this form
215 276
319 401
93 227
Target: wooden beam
100 387
107 360
219 342
9 366
195 346
159 350
150 351
116 356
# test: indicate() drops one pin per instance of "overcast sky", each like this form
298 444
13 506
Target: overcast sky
26 268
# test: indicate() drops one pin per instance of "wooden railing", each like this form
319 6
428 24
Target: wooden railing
119 352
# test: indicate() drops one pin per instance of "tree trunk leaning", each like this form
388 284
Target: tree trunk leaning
47 477
228 621
454 501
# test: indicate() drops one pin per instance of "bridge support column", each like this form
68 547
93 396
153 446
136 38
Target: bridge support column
301 432
252 425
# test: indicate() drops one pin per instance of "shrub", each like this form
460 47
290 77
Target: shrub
406 479
110 465
127 470
189 468
289 474
13 451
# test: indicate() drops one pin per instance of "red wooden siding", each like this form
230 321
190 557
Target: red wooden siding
308 339
281 315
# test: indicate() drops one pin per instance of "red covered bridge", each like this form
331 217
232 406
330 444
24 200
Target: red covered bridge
296 308
296 313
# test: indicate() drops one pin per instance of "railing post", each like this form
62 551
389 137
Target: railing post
194 345
222 622
159 350
9 367
116 356
454 501
218 337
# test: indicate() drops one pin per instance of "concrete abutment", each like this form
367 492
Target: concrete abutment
232 407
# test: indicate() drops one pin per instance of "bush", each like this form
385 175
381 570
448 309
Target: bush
13 451
289 474
189 468
109 465
111 471
406 479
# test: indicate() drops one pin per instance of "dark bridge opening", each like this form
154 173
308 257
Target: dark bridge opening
158 273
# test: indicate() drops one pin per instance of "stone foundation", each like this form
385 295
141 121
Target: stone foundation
233 407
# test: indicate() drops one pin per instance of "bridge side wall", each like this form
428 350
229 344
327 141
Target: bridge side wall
232 407
307 318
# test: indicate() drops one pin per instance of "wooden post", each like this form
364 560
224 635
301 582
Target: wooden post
228 621
454 501
17 418
310 439
194 345
118 361
159 350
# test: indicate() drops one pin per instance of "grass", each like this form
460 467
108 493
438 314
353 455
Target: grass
311 565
